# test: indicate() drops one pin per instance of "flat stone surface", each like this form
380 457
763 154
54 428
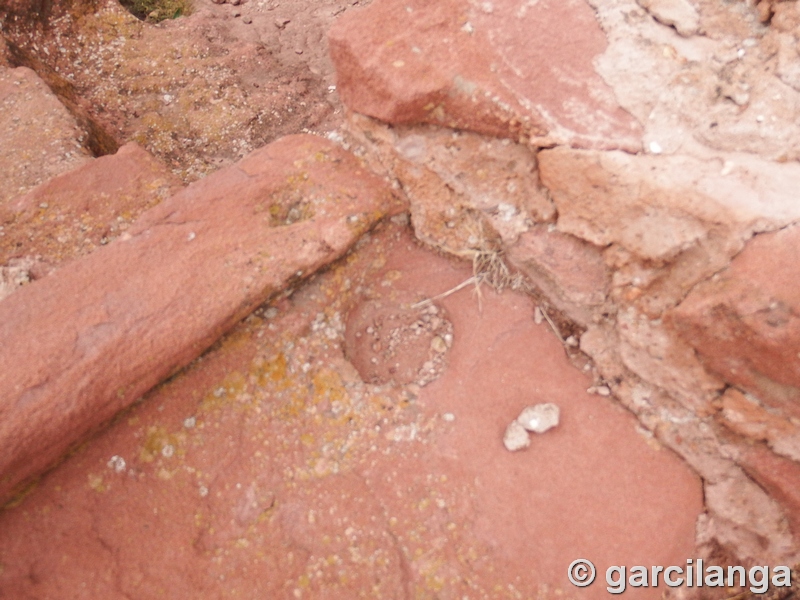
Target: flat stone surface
40 138
268 468
75 213
87 341
744 323
509 68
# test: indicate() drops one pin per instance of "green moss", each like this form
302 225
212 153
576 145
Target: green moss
157 10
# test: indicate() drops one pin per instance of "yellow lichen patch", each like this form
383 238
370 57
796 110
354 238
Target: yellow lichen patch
328 386
96 482
159 442
272 373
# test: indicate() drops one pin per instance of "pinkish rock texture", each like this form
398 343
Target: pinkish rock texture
87 341
467 192
780 477
611 242
506 68
74 213
269 469
41 138
744 322
570 271
198 92
719 134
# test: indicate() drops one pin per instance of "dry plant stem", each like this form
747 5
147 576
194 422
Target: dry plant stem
552 325
460 286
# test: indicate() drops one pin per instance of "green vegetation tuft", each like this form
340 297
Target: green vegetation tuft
154 11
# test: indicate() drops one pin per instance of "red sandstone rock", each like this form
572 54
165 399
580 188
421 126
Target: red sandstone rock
744 323
82 344
76 212
506 68
780 478
40 137
268 469
570 271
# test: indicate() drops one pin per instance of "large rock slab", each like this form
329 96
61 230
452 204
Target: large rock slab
91 338
507 68
744 322
78 211
270 469
40 138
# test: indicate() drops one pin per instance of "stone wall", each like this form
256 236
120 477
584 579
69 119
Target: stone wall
635 167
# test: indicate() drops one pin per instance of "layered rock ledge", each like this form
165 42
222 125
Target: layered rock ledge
88 340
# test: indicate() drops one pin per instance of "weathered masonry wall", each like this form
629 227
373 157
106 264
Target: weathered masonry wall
638 164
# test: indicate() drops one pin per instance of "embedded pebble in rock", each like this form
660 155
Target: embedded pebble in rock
539 417
516 437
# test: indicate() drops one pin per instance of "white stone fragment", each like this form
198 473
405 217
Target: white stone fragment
117 463
516 438
539 418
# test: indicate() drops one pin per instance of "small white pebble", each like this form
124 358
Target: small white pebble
189 422
167 451
117 463
438 345
603 390
203 491
516 437
191 236
538 317
449 417
539 417
655 148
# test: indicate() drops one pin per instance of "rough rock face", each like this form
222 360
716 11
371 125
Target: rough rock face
570 271
744 321
137 310
613 241
77 212
198 92
41 138
505 68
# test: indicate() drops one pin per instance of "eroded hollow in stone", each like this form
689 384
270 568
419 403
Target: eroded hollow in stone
392 341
